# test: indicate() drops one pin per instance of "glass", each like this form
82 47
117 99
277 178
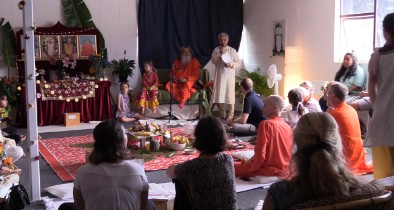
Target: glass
357 6
356 34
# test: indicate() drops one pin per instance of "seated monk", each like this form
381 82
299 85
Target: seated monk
272 153
349 129
184 73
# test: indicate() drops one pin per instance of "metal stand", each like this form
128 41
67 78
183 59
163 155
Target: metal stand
170 116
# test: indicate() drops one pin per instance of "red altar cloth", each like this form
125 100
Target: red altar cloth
51 112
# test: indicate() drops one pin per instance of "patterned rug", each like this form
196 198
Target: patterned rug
65 157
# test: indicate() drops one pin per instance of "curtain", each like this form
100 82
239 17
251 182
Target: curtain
166 25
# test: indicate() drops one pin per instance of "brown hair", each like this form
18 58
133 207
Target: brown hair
210 136
109 137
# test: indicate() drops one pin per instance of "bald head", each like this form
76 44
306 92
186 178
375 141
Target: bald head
273 106
246 84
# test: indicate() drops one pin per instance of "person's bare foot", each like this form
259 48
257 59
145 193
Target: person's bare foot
182 104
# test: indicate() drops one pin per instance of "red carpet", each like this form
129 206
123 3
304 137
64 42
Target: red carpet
66 160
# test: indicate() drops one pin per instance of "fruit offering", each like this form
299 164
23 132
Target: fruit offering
180 140
143 133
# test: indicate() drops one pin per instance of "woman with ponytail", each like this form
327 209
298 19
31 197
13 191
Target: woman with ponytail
296 97
321 176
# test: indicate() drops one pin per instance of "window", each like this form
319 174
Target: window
361 26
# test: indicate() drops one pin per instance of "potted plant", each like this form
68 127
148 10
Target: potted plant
123 68
259 83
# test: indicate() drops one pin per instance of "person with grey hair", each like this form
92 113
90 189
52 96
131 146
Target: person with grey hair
272 153
309 101
349 129
225 59
252 115
321 176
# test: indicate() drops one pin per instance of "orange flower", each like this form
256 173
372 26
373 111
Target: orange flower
8 162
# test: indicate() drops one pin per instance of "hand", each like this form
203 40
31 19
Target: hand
183 80
222 50
229 65
363 93
229 121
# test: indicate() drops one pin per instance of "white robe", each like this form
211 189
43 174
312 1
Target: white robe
224 80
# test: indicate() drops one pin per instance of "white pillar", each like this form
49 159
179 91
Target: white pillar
31 103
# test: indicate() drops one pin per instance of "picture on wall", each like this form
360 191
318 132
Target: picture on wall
37 46
69 46
87 45
279 38
49 46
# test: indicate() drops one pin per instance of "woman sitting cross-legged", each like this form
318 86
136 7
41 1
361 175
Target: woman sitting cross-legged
208 179
321 175
109 180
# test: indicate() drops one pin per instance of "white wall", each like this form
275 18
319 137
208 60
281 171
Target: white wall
309 25
116 19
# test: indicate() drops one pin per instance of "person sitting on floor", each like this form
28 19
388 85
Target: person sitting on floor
349 129
124 113
252 113
297 110
109 179
210 177
309 101
10 149
272 153
8 178
9 132
321 174
184 73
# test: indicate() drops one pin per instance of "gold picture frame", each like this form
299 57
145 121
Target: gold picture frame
69 46
87 45
50 46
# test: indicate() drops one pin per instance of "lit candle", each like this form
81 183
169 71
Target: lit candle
52 92
76 100
68 100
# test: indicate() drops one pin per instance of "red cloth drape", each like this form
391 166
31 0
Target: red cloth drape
50 112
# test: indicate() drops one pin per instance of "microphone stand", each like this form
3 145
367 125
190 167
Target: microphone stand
170 116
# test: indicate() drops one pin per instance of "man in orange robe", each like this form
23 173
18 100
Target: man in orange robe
185 72
272 153
349 129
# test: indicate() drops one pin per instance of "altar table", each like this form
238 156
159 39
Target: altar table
51 112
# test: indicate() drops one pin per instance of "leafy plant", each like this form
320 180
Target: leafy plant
259 83
8 45
77 14
123 67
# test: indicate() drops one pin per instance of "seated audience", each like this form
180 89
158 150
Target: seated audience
147 98
109 180
321 174
362 104
184 73
252 113
309 101
124 112
8 178
10 149
352 76
9 132
297 110
272 153
210 177
349 129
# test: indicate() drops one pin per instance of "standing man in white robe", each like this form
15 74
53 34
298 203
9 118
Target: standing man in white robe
225 59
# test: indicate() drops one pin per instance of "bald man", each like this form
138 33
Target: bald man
272 153
252 113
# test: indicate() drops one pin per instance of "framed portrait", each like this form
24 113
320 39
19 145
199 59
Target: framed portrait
49 46
279 38
87 45
69 46
37 46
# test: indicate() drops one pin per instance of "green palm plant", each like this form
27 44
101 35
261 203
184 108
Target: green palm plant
77 14
123 68
259 83
8 45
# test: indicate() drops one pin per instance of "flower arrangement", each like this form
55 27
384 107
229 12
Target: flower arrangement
6 161
62 65
323 87
99 63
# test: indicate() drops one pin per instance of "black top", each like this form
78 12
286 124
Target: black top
253 105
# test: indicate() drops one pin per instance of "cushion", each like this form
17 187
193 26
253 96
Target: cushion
264 179
247 154
63 191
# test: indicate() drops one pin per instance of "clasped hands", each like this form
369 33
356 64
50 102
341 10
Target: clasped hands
181 80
